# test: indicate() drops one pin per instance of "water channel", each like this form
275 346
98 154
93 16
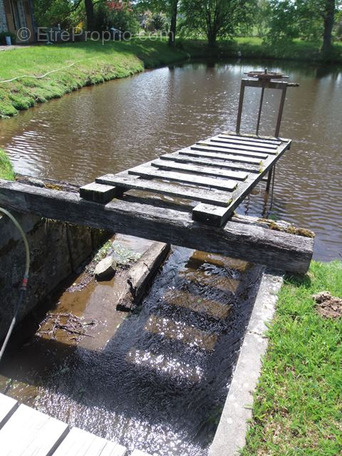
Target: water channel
159 382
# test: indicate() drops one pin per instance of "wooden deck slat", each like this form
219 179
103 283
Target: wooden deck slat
260 144
242 148
31 433
130 182
225 164
148 172
82 443
197 169
7 408
217 147
261 139
206 152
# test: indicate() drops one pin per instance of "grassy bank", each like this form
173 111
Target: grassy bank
298 408
69 66
6 168
72 66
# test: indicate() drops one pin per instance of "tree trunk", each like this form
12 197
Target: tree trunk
329 17
89 7
173 25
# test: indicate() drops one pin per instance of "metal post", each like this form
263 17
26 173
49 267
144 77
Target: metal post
260 109
281 109
242 94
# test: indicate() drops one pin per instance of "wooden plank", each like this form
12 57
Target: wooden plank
31 433
254 138
98 192
125 180
139 276
7 408
241 237
226 143
243 142
206 152
217 147
82 443
212 214
148 172
225 164
196 169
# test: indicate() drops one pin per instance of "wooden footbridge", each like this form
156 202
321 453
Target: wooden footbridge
185 198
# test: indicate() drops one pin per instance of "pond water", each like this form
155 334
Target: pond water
122 123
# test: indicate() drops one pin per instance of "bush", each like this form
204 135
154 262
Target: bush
123 19
3 37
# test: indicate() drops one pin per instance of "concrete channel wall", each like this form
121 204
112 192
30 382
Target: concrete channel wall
57 249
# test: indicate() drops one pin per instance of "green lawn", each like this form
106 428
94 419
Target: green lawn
77 65
298 404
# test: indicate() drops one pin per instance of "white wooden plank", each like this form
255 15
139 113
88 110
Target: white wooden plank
31 433
7 407
83 443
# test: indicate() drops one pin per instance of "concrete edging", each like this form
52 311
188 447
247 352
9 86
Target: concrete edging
231 432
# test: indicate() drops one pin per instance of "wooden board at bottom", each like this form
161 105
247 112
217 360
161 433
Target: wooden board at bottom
82 443
7 407
31 433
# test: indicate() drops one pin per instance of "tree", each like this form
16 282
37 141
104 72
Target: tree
217 18
328 14
169 7
308 19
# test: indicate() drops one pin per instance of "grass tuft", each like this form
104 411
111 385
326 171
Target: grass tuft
298 406
6 168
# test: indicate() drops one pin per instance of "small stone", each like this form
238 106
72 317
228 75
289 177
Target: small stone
105 269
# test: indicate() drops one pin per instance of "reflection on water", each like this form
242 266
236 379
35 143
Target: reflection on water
123 123
160 382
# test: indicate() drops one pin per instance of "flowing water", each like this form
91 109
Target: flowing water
122 123
157 379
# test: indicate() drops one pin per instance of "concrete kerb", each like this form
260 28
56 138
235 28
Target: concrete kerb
231 433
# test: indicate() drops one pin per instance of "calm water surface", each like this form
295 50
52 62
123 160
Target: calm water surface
126 122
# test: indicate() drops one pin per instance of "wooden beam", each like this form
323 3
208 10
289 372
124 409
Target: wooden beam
243 238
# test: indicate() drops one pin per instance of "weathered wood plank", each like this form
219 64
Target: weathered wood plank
240 140
206 152
31 433
213 215
98 192
136 280
82 443
253 138
125 180
244 240
227 143
222 149
196 169
148 171
7 407
221 163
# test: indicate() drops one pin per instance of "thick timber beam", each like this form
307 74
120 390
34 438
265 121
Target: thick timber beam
241 237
